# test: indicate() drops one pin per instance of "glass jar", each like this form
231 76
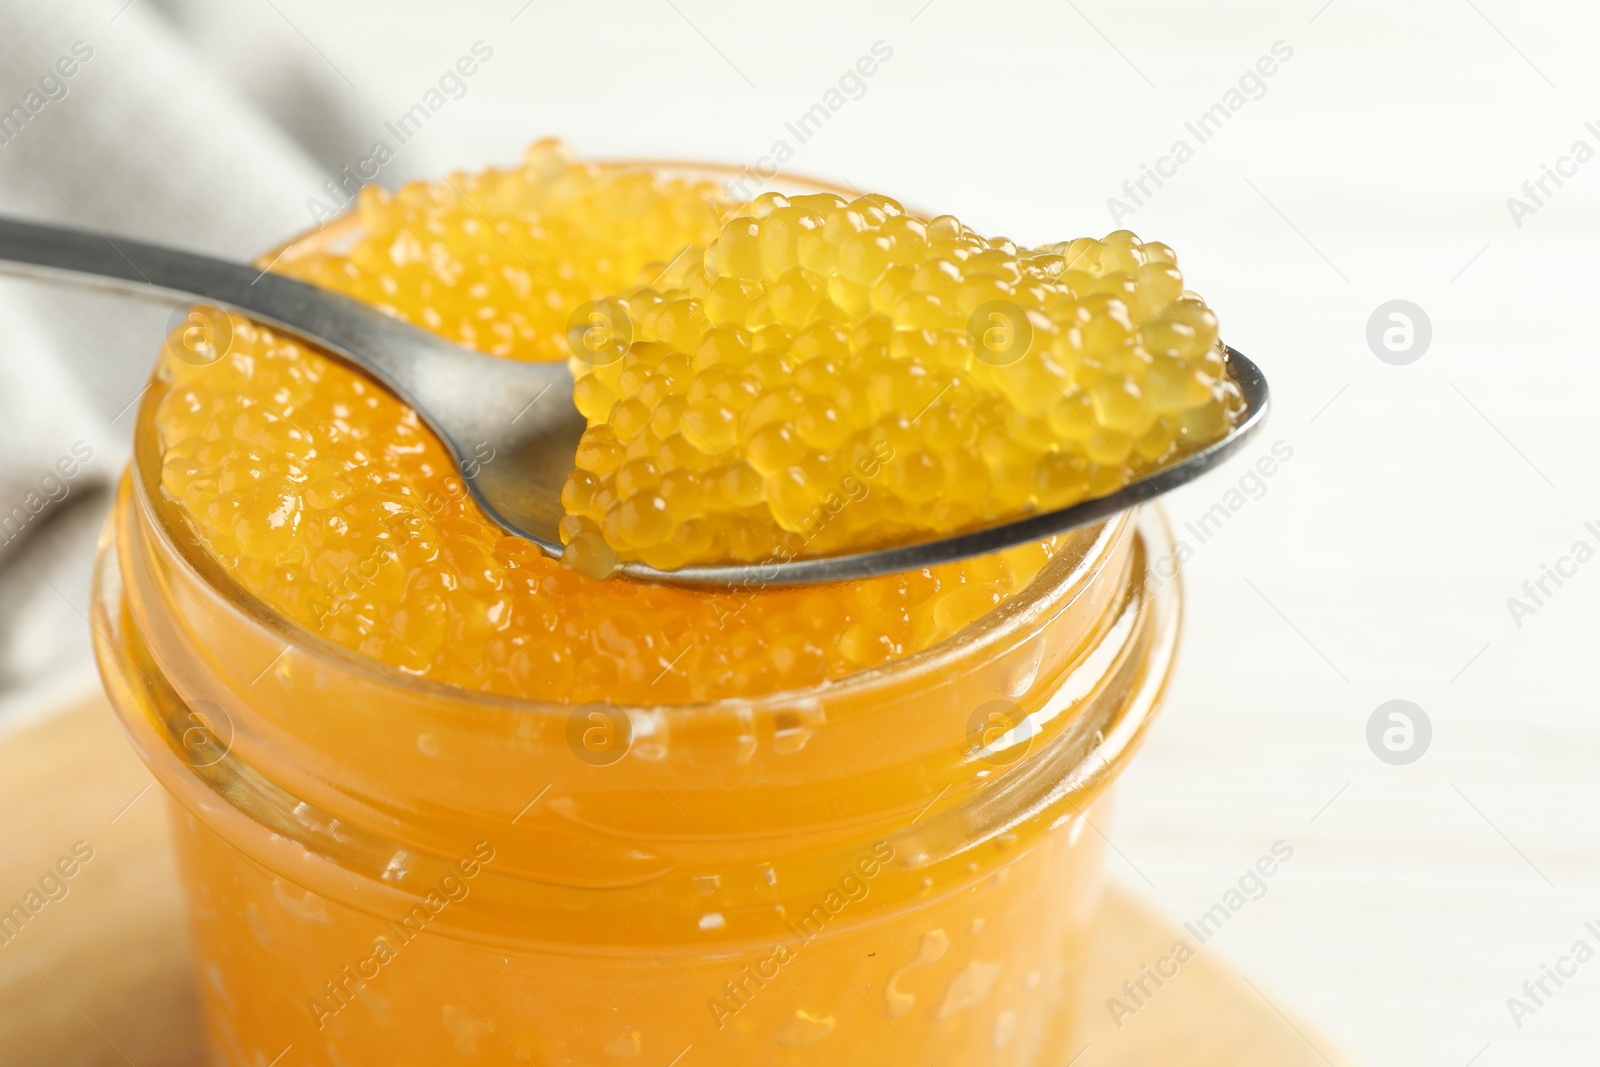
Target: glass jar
891 868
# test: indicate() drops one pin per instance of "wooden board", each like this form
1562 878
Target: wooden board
100 975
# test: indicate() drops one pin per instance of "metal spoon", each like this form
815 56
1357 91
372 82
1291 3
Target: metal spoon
523 411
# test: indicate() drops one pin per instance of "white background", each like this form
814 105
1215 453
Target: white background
1378 562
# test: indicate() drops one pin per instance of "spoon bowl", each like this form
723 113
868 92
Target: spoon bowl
510 425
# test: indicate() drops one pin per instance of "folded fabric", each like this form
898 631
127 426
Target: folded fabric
197 124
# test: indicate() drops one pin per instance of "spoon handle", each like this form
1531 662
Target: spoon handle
382 346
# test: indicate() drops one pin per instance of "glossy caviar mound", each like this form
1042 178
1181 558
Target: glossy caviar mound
831 375
327 498
497 261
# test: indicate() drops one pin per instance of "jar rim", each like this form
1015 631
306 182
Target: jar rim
1028 610
1021 614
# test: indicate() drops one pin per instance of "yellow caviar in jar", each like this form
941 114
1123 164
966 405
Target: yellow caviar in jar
497 261
817 339
328 499
799 859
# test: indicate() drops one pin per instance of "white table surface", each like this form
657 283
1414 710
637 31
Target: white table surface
1378 562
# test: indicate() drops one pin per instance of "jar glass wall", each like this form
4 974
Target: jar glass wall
895 867
382 870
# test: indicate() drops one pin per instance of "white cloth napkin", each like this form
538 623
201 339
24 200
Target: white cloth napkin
199 124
